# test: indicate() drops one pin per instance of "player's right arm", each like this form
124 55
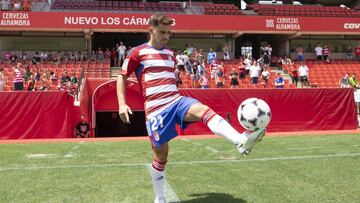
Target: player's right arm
130 65
124 109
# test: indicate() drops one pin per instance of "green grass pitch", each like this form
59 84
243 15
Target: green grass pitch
302 169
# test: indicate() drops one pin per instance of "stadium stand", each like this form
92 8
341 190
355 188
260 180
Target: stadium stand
327 75
117 5
303 10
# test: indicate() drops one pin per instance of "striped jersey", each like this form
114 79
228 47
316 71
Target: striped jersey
19 77
154 69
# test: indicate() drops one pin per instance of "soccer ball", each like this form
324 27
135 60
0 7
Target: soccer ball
253 114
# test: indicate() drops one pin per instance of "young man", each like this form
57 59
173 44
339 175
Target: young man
164 106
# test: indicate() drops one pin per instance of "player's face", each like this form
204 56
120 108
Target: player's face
160 35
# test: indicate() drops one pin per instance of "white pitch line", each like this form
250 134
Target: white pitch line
212 149
200 144
72 152
169 192
303 148
289 158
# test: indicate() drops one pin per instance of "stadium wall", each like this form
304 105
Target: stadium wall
28 115
292 109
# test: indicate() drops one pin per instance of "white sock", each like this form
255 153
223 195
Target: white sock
221 127
157 172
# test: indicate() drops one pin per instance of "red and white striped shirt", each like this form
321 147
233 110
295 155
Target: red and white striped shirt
154 70
19 77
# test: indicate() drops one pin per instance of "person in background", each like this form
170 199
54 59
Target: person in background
344 81
279 81
353 82
82 128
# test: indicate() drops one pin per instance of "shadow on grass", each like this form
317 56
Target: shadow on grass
213 198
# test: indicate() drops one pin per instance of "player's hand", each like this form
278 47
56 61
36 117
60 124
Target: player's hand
124 111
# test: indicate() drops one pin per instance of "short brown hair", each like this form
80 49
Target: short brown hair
160 18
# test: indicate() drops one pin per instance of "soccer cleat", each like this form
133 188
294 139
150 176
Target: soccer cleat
253 138
160 200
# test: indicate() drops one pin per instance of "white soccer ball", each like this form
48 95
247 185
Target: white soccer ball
253 114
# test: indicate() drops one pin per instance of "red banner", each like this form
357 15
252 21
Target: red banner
28 115
76 21
292 109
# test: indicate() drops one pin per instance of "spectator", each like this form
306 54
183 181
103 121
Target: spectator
303 72
261 63
204 82
107 53
300 53
72 56
93 56
26 5
37 75
31 83
53 77
211 56
219 78
326 53
73 78
112 57
247 62
36 58
279 81
177 73
23 57
122 52
294 76
5 5
344 81
353 82
65 77
254 72
242 71
43 56
100 55
286 61
233 78
318 52
349 53
200 57
17 5
194 74
267 55
180 61
27 74
226 54
265 76
13 58
82 128
18 77
2 80
357 52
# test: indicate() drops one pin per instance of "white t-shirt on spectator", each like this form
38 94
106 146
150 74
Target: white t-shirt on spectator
303 70
180 60
247 63
122 49
265 74
5 5
17 6
254 71
318 51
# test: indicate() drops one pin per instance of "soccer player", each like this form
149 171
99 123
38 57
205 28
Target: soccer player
154 65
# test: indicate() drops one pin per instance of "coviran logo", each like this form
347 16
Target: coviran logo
352 25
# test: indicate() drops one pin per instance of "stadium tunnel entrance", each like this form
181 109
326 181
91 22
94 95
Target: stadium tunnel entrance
110 39
251 43
105 119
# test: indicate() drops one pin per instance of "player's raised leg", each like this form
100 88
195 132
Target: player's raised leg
221 127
